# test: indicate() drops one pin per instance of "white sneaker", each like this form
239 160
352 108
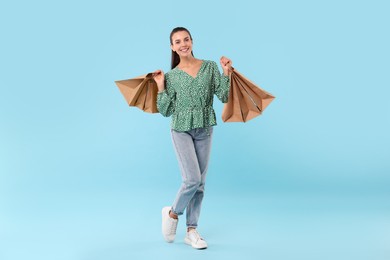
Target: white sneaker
169 225
195 240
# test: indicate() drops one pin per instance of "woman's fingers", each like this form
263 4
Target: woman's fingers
226 64
158 77
226 61
156 73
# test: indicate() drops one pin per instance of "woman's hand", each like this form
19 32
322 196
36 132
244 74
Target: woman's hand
158 76
226 64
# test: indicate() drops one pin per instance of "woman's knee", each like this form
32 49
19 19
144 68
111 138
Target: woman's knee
194 183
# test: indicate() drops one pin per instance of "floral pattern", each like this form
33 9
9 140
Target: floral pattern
189 100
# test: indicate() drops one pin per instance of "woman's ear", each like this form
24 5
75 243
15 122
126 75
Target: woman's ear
172 48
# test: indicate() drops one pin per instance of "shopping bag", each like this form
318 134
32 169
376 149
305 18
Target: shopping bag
246 100
140 92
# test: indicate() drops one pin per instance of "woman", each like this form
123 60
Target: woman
186 93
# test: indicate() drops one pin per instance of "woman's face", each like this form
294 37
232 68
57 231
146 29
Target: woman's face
182 43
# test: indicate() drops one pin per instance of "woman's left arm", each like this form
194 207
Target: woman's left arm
221 82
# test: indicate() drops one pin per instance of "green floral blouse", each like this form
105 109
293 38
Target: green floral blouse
190 100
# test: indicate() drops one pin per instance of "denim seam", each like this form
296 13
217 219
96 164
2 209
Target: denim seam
191 225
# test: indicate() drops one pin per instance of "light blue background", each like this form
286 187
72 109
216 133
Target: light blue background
83 176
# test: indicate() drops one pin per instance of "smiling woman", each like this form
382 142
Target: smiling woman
179 33
186 93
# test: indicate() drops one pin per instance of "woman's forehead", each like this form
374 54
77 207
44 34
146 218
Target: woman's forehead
180 35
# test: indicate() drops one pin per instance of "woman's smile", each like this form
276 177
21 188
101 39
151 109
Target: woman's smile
184 49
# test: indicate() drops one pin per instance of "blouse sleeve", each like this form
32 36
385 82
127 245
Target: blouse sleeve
221 84
166 99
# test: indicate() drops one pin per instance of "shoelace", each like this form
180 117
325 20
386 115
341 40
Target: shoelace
196 235
173 227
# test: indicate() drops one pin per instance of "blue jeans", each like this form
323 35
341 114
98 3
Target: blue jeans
193 153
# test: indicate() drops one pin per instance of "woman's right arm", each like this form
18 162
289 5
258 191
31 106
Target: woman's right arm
166 96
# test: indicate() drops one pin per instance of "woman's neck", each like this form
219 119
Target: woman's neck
187 61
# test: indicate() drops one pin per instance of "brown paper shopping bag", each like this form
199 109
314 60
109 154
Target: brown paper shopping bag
246 100
140 92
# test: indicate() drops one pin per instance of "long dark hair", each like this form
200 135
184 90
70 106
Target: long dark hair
175 57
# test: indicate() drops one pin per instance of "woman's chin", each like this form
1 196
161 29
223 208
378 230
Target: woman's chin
185 55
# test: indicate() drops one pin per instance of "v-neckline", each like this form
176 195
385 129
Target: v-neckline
201 66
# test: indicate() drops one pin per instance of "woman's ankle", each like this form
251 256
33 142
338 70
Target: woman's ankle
173 215
190 228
